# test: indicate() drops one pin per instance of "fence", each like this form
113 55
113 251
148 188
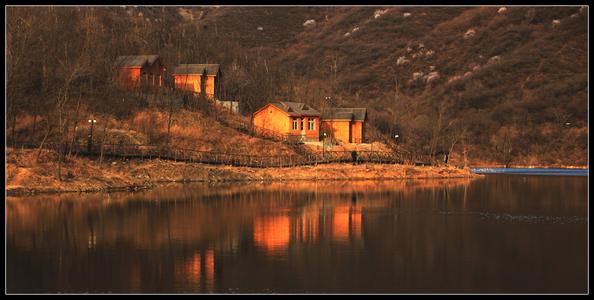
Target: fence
233 159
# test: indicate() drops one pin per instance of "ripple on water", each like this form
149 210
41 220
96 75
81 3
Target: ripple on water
531 219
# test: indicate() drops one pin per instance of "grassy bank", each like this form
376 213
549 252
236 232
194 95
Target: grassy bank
26 174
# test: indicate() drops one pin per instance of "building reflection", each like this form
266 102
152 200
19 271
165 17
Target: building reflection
346 223
272 232
199 270
311 225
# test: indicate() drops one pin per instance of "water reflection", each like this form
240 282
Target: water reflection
374 236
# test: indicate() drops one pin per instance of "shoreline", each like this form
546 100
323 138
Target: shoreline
19 191
27 176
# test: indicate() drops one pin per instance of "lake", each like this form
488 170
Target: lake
495 234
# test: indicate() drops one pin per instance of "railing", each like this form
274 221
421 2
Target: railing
143 152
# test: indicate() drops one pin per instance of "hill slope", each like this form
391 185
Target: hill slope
516 75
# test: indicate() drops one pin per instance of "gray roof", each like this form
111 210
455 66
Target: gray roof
135 60
297 108
209 69
356 114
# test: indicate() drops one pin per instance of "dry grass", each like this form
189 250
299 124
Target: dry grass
25 173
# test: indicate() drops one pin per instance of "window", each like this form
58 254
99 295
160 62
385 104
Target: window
311 124
302 128
294 124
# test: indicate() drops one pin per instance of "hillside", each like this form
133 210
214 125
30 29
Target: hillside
508 84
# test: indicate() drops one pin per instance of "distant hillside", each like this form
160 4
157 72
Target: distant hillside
519 72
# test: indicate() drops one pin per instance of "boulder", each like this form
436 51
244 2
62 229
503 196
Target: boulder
432 77
469 33
260 28
406 14
501 10
556 23
310 22
402 61
417 75
379 12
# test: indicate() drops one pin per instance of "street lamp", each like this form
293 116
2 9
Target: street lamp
90 144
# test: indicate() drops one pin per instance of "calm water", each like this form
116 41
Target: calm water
500 233
532 171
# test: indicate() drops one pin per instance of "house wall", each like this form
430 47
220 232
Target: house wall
153 74
210 86
188 82
310 134
339 128
273 119
129 77
357 132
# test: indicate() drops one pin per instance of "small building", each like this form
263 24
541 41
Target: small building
201 79
346 125
140 70
289 119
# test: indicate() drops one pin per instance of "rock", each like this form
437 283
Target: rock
421 46
467 74
260 28
501 10
114 163
408 49
574 15
556 23
454 78
429 53
379 12
582 9
493 60
347 34
432 77
431 68
417 75
402 61
355 29
406 14
140 14
469 33
476 67
310 22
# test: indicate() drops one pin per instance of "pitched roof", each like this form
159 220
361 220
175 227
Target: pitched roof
209 69
355 114
296 108
135 60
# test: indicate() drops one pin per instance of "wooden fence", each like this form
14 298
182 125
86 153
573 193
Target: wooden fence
143 152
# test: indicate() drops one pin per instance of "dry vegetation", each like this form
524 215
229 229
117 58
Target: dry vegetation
26 174
514 92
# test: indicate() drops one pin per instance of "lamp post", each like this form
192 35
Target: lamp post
90 143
